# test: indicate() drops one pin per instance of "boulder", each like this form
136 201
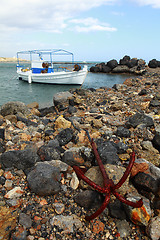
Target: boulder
112 64
153 63
12 108
44 179
121 69
124 60
106 69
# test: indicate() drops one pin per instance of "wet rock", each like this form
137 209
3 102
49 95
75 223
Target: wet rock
12 108
89 199
67 223
139 216
44 179
107 152
25 220
153 228
140 118
123 132
48 153
8 217
65 136
145 182
20 159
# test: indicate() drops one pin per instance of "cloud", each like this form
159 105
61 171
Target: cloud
153 3
50 15
91 24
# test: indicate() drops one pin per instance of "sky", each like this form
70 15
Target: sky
94 30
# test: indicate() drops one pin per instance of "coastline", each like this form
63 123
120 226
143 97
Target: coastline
126 115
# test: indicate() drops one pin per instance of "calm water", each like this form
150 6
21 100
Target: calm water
12 89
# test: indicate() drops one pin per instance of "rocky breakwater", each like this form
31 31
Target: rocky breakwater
40 194
126 65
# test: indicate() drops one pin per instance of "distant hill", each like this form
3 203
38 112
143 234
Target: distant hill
14 59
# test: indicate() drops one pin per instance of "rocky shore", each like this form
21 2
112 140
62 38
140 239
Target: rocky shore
41 197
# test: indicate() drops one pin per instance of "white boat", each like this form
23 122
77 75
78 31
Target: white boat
44 70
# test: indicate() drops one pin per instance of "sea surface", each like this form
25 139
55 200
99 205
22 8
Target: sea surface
13 89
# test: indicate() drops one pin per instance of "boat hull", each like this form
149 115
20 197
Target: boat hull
73 77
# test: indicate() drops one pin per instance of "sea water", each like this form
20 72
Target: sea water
13 89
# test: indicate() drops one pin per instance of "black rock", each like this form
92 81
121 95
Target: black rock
107 152
44 179
27 121
49 132
116 210
153 63
94 69
20 159
89 199
2 180
47 110
2 146
123 132
145 182
142 92
106 69
132 63
121 147
140 118
49 152
65 136
154 103
2 133
112 64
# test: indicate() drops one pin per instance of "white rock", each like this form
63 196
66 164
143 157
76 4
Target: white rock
74 181
14 193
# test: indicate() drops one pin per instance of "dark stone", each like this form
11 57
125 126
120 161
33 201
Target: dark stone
2 133
72 109
156 141
49 152
106 69
25 220
49 132
1 121
121 147
154 103
89 199
47 110
94 69
153 63
124 60
116 210
123 132
121 69
142 92
20 159
44 179
100 66
107 152
140 118
132 63
27 121
65 136
12 108
144 182
2 146
112 64
2 180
